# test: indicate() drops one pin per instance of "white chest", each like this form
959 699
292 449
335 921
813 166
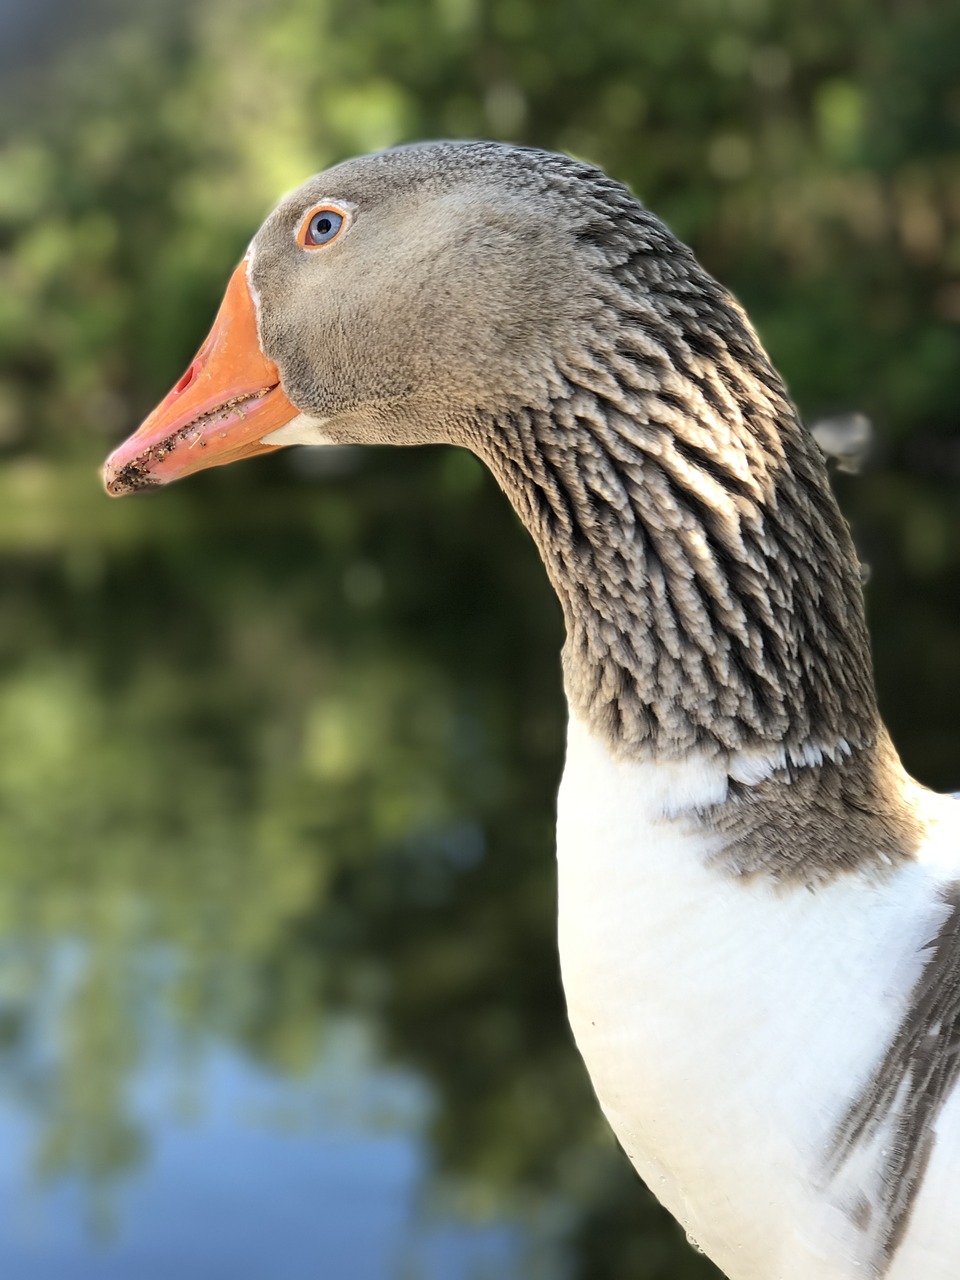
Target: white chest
724 1025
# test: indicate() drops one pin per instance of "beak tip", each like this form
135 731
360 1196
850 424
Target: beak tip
119 480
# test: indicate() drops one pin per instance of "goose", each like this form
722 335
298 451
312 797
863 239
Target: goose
759 910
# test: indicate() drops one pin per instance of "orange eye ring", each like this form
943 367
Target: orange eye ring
322 225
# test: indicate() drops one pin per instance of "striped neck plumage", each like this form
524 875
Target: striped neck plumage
710 588
711 591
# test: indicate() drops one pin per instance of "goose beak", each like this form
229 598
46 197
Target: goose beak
227 401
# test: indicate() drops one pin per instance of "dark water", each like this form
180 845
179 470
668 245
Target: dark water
278 986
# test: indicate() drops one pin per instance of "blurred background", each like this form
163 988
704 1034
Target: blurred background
278 747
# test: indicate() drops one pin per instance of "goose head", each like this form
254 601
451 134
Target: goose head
391 299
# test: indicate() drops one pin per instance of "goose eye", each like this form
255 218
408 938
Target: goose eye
320 227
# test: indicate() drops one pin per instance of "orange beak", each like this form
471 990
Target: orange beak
219 411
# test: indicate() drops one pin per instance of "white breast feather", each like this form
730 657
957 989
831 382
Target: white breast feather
726 1025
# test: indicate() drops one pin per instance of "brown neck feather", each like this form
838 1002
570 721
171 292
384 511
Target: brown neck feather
710 587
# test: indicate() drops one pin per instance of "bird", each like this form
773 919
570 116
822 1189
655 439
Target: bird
758 908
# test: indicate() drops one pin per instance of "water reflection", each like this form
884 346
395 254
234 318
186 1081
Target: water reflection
278 986
248 1174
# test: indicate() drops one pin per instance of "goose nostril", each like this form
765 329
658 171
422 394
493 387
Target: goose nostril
187 378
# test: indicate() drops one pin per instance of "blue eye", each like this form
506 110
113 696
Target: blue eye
322 226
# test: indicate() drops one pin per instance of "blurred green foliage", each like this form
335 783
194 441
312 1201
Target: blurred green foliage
809 153
306 726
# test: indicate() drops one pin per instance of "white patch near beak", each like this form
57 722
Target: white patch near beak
300 430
